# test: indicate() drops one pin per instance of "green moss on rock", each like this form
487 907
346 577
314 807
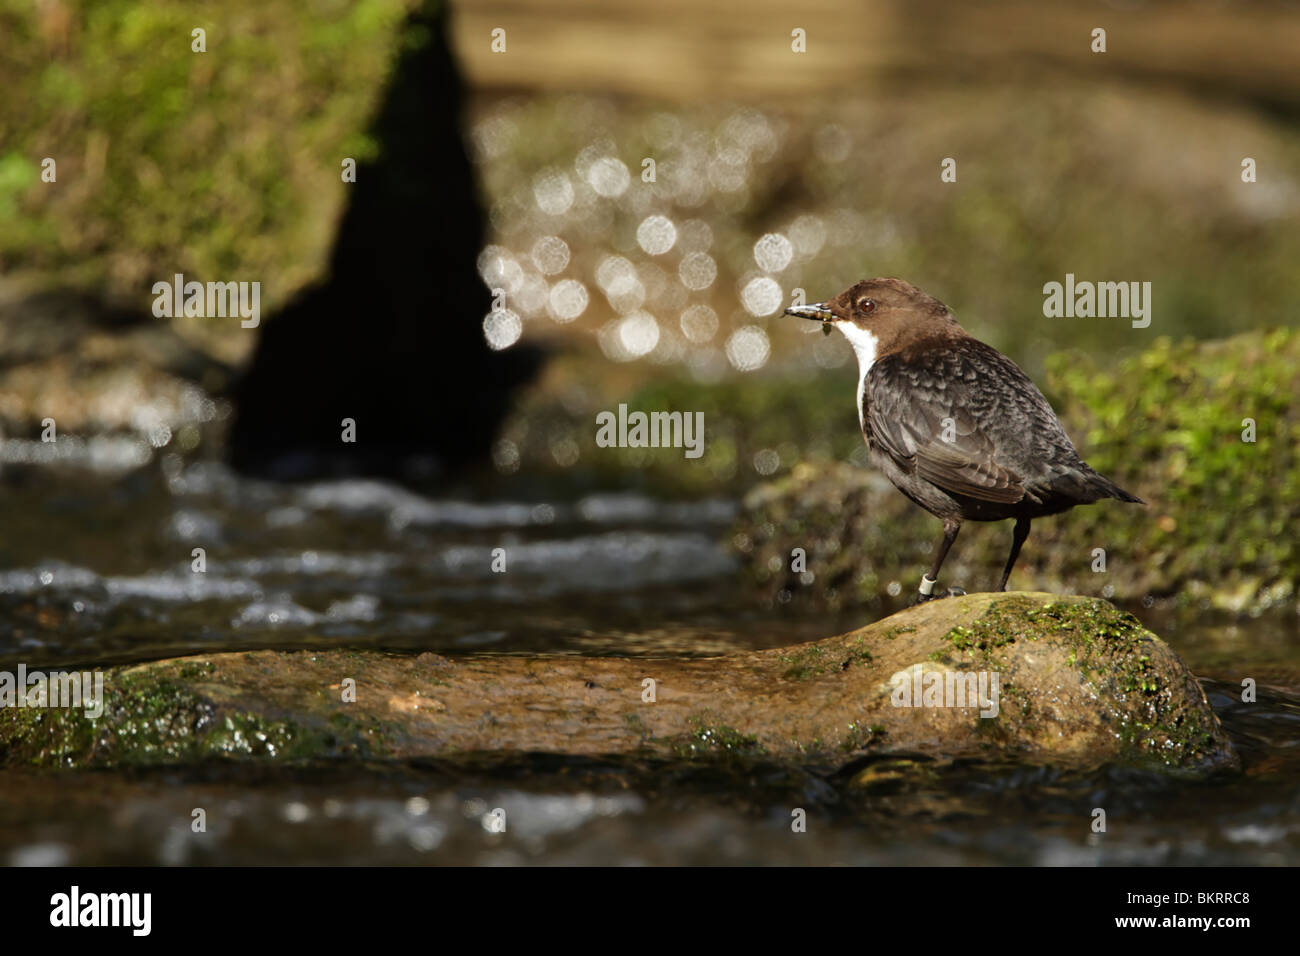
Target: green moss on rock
818 659
708 738
1130 672
152 719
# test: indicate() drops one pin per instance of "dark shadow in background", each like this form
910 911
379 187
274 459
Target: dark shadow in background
393 339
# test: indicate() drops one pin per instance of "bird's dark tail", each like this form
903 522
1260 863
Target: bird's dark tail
1108 489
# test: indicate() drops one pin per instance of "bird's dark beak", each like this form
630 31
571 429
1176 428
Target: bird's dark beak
818 312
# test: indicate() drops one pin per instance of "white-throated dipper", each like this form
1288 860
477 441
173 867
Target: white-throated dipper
952 422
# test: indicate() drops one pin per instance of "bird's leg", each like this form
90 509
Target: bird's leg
1018 537
926 591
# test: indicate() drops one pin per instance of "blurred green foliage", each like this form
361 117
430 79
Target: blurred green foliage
218 163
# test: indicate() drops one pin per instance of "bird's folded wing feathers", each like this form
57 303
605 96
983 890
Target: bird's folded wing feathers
923 420
953 470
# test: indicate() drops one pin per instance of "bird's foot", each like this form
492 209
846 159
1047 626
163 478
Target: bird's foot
927 592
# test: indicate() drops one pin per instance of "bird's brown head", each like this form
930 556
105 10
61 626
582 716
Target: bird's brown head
892 312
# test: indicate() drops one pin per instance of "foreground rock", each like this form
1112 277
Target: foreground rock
1079 684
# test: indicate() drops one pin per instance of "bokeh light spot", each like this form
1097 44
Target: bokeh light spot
502 328
656 235
748 348
761 296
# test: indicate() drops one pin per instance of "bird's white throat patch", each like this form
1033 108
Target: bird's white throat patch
864 345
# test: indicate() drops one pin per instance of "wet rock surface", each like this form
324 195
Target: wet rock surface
1079 684
86 382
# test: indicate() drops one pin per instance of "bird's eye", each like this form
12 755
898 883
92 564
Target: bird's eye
866 306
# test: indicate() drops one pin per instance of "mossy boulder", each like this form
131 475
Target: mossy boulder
1077 683
1207 433
212 165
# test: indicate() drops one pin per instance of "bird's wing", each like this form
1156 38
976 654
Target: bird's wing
940 415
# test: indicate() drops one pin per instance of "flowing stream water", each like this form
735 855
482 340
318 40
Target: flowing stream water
97 569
